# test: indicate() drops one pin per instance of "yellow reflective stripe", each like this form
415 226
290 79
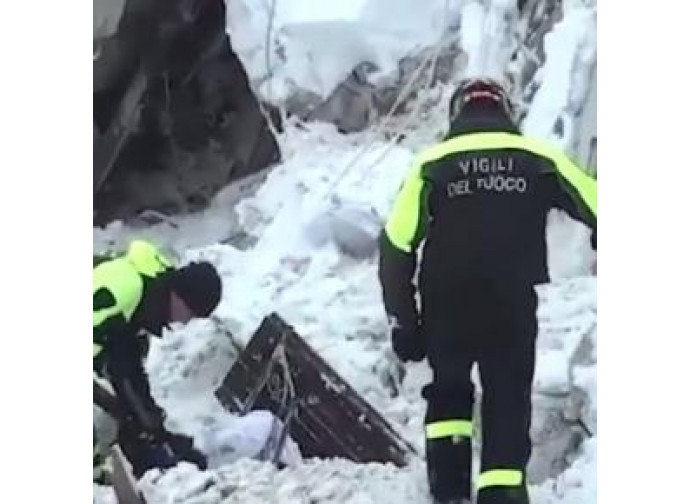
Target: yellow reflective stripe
583 183
97 349
449 428
124 282
500 477
101 316
146 258
404 218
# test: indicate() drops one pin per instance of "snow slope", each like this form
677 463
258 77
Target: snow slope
333 190
334 302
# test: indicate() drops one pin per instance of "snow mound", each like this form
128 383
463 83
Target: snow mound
250 482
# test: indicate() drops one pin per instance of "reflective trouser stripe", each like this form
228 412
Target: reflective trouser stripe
449 428
500 477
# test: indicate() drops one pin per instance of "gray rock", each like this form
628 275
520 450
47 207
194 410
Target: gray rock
174 117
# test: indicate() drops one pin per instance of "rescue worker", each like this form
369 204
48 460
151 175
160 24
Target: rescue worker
141 292
479 200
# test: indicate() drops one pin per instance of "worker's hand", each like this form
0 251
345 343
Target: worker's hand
184 449
151 424
156 421
408 343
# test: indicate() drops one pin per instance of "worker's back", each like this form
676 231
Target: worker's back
487 212
478 202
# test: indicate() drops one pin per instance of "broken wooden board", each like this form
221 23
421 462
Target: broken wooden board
332 420
124 482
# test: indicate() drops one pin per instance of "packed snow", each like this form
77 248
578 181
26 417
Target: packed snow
308 253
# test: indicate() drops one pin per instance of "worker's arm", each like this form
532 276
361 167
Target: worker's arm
398 243
573 191
122 360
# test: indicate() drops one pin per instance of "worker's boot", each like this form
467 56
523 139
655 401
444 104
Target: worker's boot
449 469
503 495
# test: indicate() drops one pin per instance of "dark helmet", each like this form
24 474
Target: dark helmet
479 91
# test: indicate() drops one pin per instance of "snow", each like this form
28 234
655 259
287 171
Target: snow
315 49
471 32
552 373
311 257
485 35
249 482
570 54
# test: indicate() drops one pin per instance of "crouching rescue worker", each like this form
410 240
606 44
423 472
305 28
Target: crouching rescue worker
479 200
134 296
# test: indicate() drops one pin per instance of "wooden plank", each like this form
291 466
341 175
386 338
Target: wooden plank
124 482
332 419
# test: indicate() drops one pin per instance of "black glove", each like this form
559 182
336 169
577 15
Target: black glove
152 422
143 449
148 427
408 344
183 447
162 451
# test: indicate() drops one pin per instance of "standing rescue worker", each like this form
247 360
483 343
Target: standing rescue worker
141 292
479 200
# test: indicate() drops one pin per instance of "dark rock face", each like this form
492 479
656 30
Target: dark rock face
174 117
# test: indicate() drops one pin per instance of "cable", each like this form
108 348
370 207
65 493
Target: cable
432 57
269 77
269 44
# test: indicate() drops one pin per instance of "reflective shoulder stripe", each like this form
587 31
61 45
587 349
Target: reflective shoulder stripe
404 218
124 282
500 477
147 259
449 428
583 183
